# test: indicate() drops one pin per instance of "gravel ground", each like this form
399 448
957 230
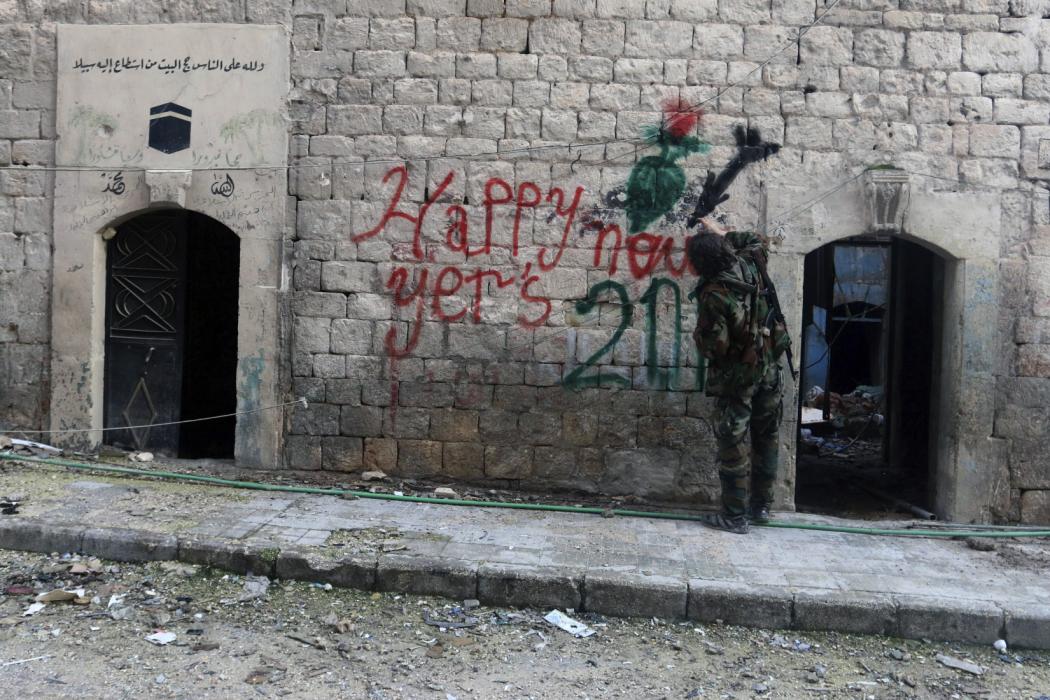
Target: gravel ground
301 640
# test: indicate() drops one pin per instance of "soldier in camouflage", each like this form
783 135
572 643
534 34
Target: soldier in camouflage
742 344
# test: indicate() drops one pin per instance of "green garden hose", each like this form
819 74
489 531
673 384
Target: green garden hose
258 486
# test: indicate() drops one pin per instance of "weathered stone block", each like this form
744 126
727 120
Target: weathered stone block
879 47
361 421
392 34
831 46
327 220
315 419
554 465
552 35
573 8
504 34
811 132
992 51
342 454
851 611
523 585
507 462
349 571
603 37
1002 84
25 534
350 337
378 64
630 594
934 50
718 41
348 276
419 457
1028 627
620 8
452 425
528 8
311 334
424 575
17 40
764 43
992 140
661 39
964 83
355 119
953 620
302 452
463 460
121 544
1011 111
221 553
1035 505
380 454
739 603
647 472
32 215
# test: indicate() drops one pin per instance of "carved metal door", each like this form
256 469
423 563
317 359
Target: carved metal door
145 300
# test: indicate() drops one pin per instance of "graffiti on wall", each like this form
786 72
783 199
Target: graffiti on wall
457 292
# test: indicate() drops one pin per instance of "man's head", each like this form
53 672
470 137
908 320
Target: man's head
710 254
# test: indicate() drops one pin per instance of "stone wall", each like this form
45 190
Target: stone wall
425 353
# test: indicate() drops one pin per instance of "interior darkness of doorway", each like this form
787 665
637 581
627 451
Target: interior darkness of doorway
210 349
871 309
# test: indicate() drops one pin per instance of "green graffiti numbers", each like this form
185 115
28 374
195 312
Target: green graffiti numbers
575 379
662 378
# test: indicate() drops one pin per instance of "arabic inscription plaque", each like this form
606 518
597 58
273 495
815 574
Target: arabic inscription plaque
232 78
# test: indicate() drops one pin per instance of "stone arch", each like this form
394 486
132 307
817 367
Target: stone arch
170 344
962 228
82 217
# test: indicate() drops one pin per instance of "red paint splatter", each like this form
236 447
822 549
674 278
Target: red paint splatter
680 118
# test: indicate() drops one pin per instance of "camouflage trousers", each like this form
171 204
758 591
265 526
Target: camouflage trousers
743 474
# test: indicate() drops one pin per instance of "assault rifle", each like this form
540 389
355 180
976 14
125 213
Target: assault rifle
775 312
750 149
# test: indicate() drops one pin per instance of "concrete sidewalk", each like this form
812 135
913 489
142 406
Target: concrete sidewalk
776 578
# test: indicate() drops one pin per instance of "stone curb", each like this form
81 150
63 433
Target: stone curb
528 585
740 604
354 571
1029 628
427 575
622 594
635 595
972 621
237 557
860 613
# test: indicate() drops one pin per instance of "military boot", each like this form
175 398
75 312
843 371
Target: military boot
760 513
737 524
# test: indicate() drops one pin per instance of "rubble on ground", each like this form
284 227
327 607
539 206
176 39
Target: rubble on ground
177 637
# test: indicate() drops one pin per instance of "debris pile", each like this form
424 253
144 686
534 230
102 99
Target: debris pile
143 626
852 416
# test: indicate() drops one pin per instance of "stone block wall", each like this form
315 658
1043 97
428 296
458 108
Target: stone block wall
470 312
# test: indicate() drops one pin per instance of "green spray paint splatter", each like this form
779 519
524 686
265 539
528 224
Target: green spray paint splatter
657 182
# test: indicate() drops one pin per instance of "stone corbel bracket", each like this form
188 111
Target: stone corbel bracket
888 192
168 187
888 195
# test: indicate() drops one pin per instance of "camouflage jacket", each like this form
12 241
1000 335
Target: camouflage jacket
735 331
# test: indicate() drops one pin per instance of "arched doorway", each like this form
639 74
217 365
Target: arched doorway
171 334
872 315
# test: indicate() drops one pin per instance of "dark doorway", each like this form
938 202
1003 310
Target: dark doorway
871 320
171 334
